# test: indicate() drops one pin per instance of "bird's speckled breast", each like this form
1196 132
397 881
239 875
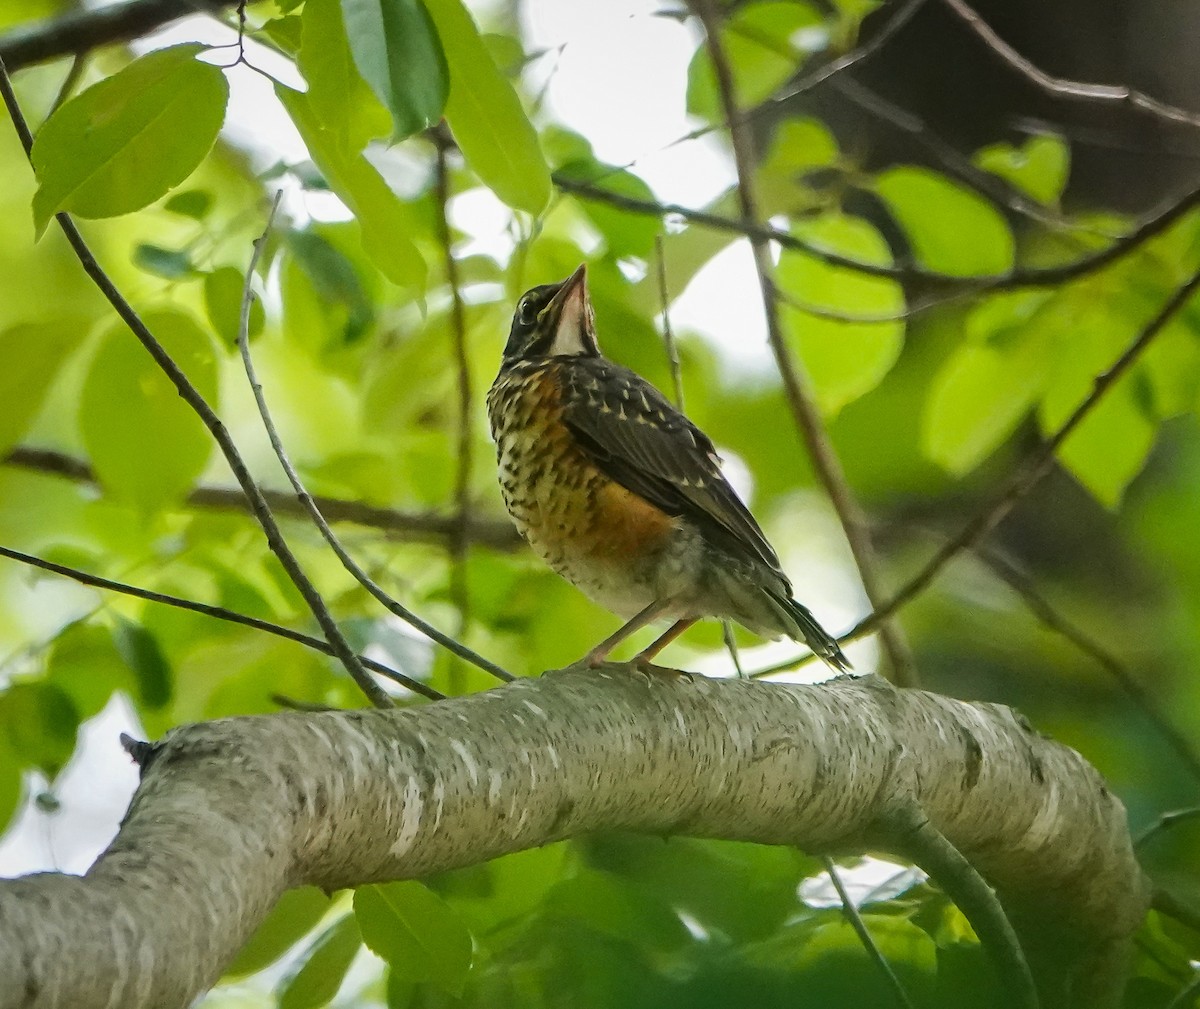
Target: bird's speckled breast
609 542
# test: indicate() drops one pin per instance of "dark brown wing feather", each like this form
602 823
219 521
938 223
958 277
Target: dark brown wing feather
640 440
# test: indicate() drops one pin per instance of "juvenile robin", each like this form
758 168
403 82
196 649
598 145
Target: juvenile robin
621 494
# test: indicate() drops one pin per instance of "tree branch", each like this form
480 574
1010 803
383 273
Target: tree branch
854 919
83 30
216 427
1020 483
218 612
231 813
1018 277
349 563
1061 87
804 409
1026 477
459 590
497 533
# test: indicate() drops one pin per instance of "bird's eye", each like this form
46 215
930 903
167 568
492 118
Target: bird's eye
527 311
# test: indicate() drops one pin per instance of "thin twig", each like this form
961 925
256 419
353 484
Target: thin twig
348 562
1061 87
668 335
1186 999
74 72
919 840
1024 479
1050 618
898 16
1165 822
194 399
864 936
804 409
991 187
459 589
731 646
1018 277
497 533
217 612
1020 483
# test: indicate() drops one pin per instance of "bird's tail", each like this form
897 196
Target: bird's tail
823 644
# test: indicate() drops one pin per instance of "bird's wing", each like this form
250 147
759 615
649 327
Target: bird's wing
641 441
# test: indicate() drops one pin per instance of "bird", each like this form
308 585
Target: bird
617 491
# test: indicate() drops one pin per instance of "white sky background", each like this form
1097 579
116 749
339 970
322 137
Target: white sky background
618 79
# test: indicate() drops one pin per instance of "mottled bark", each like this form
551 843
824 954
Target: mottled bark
231 813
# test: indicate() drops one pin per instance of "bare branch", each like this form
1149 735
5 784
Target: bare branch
376 694
84 30
218 612
1018 277
497 533
1020 483
804 410
668 335
1061 87
956 165
348 562
850 912
1050 618
459 590
1026 477
899 15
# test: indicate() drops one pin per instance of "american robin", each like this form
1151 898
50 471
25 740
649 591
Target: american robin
621 494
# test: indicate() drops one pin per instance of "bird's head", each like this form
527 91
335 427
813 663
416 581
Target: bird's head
554 320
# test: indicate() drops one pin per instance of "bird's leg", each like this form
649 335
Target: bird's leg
642 659
599 655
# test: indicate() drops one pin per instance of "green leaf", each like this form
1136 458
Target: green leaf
397 51
976 401
145 443
118 146
1038 168
284 31
987 384
844 359
32 355
193 203
416 932
950 229
317 981
84 663
384 219
334 279
342 100
1110 446
223 290
759 44
40 721
798 147
495 135
290 919
141 652
170 264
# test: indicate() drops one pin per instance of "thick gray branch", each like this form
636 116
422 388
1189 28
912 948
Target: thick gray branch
231 813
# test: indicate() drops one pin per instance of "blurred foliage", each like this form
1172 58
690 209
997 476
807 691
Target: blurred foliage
353 337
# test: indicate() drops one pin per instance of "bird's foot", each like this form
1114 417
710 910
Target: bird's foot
650 670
